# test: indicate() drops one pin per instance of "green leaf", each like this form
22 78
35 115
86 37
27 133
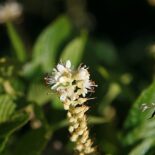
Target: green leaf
17 43
104 72
56 103
136 116
8 128
106 51
7 108
140 128
31 70
113 91
38 93
49 42
141 132
97 120
33 142
142 148
74 50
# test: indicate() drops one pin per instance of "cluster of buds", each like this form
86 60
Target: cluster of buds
10 11
72 87
79 130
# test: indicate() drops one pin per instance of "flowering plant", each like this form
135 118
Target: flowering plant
72 87
34 121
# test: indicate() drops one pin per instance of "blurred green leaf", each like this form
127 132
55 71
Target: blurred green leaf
126 78
141 132
104 72
97 120
75 49
32 143
30 70
112 93
39 115
7 108
8 128
38 93
56 103
17 43
142 148
35 140
138 123
105 51
136 116
50 40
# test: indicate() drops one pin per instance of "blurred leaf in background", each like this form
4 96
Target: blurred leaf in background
48 45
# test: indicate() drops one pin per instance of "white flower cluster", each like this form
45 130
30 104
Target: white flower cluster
10 11
71 85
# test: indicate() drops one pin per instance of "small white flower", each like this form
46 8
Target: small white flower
10 11
69 83
68 64
61 68
83 73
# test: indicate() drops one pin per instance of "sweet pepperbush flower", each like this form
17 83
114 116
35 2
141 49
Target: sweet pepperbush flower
69 83
72 87
10 11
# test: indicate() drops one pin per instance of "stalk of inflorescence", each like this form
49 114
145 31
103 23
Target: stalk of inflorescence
72 86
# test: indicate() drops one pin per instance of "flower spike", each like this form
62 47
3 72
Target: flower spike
72 87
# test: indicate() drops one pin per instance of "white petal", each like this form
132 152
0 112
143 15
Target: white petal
56 77
83 74
62 79
60 68
68 64
87 84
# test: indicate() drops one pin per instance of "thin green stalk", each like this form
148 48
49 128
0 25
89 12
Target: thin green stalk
17 43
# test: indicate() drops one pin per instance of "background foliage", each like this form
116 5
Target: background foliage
115 39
